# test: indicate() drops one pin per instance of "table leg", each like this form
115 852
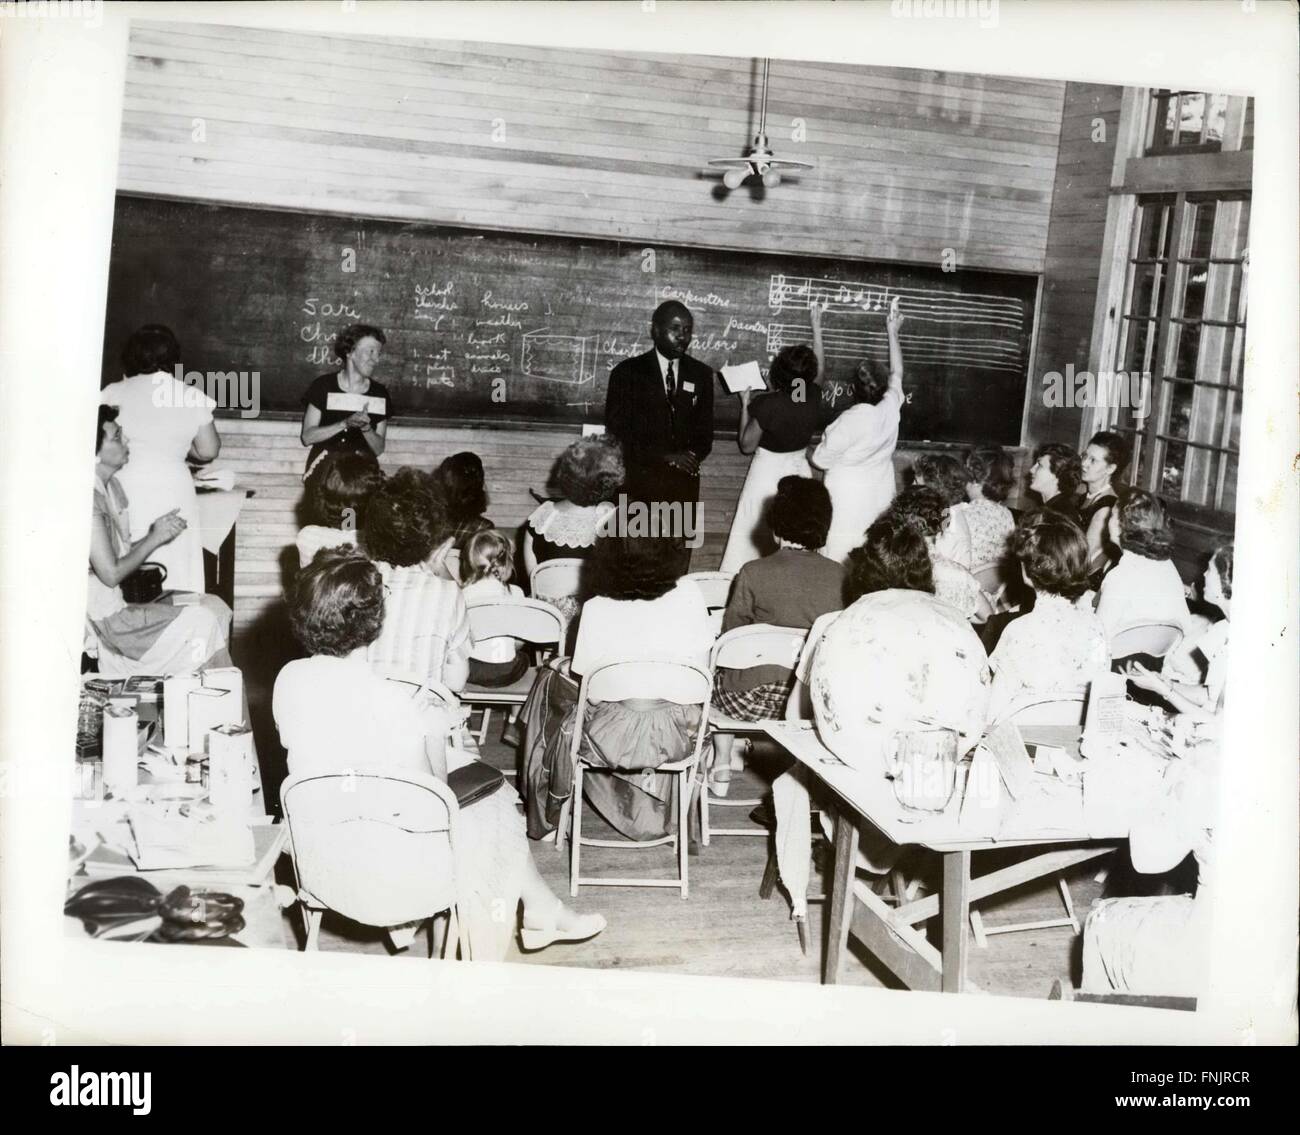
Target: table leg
956 910
842 873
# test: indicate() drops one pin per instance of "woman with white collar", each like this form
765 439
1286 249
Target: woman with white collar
169 423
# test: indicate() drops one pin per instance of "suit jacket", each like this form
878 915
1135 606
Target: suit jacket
639 414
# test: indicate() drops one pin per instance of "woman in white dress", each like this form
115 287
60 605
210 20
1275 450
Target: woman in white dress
777 428
169 423
857 449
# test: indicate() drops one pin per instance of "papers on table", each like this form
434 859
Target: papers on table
743 376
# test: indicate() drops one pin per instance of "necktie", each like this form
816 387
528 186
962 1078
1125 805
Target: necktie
670 382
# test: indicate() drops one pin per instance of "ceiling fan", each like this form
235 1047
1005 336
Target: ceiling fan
759 161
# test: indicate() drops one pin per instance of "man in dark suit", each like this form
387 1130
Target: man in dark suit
660 407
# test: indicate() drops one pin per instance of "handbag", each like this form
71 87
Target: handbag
474 782
145 584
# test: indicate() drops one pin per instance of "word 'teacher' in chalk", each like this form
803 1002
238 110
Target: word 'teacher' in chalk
743 376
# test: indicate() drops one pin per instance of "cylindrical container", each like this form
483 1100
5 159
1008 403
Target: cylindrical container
230 769
208 709
176 710
226 678
121 755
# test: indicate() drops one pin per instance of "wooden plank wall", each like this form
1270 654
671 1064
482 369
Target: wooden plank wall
1074 247
909 163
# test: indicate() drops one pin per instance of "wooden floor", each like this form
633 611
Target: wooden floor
725 930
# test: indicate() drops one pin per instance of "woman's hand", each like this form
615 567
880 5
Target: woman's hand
1146 679
358 420
166 528
894 320
743 395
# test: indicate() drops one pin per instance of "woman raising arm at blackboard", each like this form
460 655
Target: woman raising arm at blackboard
348 411
857 449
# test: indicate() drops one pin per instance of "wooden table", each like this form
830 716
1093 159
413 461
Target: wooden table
896 935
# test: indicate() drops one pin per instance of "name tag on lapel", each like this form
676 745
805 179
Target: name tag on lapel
688 387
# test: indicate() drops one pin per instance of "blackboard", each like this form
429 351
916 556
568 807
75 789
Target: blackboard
507 328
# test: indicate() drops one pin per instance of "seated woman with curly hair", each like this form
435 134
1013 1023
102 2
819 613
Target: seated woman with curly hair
337 491
1054 477
1059 647
426 631
335 714
928 509
1143 586
793 587
990 472
949 477
641 611
584 482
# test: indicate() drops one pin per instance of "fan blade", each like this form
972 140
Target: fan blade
729 163
792 163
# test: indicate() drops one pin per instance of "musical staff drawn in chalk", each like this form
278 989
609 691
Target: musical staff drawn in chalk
953 308
854 345
570 359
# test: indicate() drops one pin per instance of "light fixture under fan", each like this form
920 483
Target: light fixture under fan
759 162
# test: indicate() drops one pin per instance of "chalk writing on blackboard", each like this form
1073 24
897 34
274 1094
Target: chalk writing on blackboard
569 359
433 301
932 305
689 298
855 345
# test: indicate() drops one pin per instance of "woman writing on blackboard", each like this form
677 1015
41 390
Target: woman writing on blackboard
348 411
857 449
777 428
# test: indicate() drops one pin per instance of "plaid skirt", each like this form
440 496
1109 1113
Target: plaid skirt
762 703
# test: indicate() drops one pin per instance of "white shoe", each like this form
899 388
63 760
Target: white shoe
539 937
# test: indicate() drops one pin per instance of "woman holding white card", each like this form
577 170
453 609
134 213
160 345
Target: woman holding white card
857 449
348 411
776 427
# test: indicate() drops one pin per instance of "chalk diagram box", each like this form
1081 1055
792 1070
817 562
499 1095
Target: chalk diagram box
569 359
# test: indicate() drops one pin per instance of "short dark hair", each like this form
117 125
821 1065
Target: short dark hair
343 481
461 481
351 335
666 310
1116 447
1144 527
1064 463
922 505
800 512
588 472
337 604
944 472
152 348
636 567
894 556
793 364
870 381
404 519
994 469
106 414
1054 553
1221 558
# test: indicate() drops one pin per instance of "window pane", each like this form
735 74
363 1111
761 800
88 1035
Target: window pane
1248 130
1229 498
1153 238
1234 300
1202 225
1180 410
1166 117
1145 300
1194 290
1217 117
1171 473
1189 345
1191 117
1135 355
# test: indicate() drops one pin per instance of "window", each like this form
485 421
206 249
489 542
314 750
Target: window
1183 121
1184 325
